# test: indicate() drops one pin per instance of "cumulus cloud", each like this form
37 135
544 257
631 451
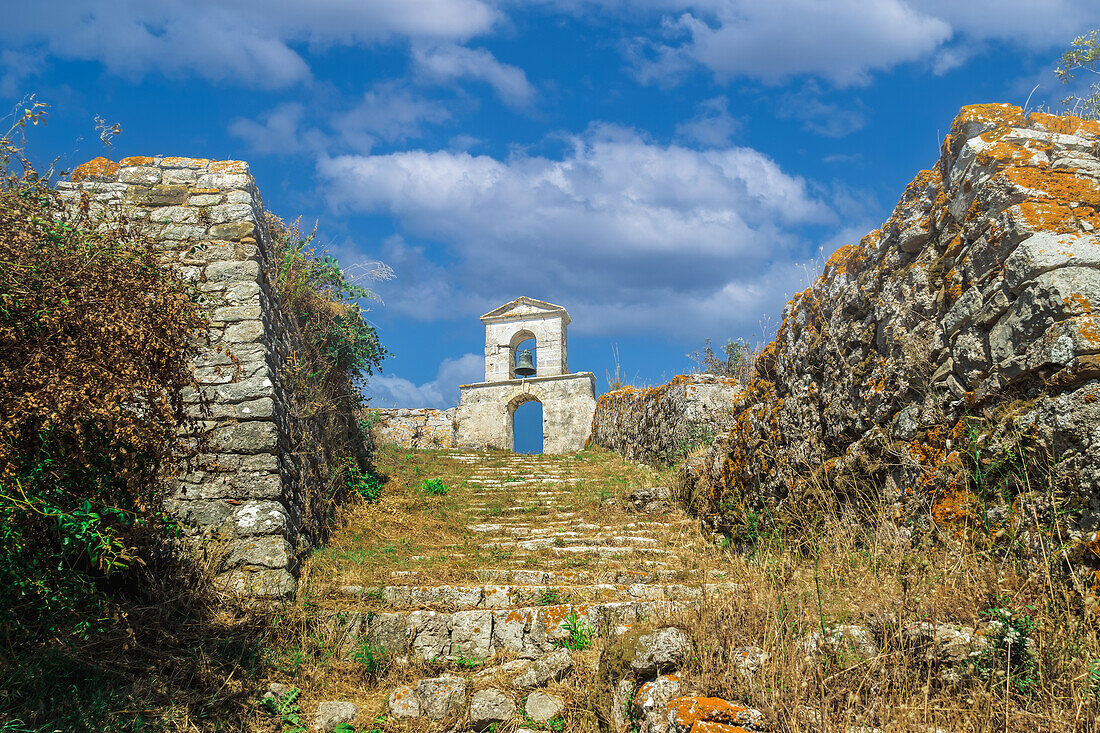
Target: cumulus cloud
641 235
279 131
248 41
440 393
449 62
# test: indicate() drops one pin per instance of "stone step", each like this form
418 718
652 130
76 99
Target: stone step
464 597
481 633
561 578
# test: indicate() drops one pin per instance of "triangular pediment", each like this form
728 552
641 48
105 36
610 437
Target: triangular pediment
524 307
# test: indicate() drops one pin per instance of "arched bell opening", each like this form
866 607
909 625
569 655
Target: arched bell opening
527 425
519 366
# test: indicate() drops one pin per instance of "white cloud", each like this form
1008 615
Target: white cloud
633 233
449 62
713 126
817 115
388 113
249 41
279 132
440 393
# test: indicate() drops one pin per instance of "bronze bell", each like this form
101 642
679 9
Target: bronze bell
525 365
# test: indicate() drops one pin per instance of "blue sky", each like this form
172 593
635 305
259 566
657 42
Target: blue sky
667 170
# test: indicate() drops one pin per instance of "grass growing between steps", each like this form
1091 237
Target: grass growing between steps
413 529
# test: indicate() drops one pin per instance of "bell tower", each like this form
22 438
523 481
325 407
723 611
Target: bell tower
485 410
511 324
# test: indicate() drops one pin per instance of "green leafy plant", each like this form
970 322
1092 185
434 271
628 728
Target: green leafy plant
434 487
1083 55
551 597
580 633
366 483
371 656
285 707
1009 659
467 662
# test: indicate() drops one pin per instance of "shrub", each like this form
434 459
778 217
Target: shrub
95 344
434 486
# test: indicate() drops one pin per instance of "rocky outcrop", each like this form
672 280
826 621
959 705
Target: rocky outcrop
658 424
947 365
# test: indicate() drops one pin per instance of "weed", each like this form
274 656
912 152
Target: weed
371 656
285 707
467 662
434 487
1009 658
551 597
580 633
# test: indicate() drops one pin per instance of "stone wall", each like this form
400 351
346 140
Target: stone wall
657 424
486 411
413 428
966 322
256 486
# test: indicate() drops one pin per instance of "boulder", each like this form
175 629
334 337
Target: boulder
491 706
441 697
404 703
664 649
542 706
334 713
651 703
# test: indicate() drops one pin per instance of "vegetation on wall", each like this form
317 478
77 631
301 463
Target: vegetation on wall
95 343
340 350
1083 56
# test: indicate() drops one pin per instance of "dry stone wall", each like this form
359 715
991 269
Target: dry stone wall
255 486
657 424
413 428
966 323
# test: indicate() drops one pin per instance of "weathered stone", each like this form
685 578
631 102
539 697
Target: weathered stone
244 332
404 703
664 649
158 196
542 706
430 632
232 232
652 500
332 714
389 631
621 695
651 704
685 712
491 706
471 634
442 697
259 582
143 175
233 271
552 667
842 637
271 551
254 436
260 517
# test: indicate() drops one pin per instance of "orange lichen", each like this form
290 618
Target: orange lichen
136 160
687 712
95 170
177 162
228 166
1064 124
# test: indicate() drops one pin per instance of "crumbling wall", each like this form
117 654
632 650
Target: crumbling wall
658 424
964 329
254 487
413 428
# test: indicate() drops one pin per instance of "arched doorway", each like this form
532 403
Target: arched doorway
526 425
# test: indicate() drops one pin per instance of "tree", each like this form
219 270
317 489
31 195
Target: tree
1083 55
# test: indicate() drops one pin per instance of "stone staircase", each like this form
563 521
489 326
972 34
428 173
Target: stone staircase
556 557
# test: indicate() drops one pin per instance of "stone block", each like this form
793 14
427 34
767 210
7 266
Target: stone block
259 582
489 707
430 633
174 215
246 437
141 175
259 517
542 706
471 634
161 195
442 697
404 703
225 180
271 551
331 715
231 213
233 271
244 332
232 232
235 313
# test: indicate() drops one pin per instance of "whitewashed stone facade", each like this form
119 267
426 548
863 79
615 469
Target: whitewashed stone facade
486 409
